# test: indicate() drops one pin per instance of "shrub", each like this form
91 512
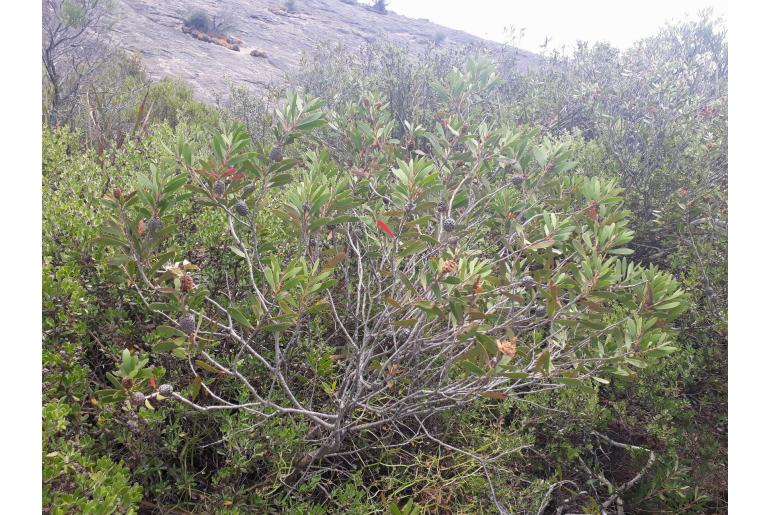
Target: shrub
254 112
477 267
173 102
655 117
217 24
115 108
342 75
75 46
222 22
381 6
538 447
73 481
199 20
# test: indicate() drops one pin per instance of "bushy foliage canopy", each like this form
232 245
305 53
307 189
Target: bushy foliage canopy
443 275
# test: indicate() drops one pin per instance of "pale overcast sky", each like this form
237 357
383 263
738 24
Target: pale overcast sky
618 22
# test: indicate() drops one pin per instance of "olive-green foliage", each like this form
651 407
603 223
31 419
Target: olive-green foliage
254 112
655 117
85 321
454 285
120 104
172 102
74 479
659 110
602 104
72 462
341 75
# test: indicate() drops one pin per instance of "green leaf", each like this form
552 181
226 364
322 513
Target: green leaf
165 346
175 183
343 219
280 180
311 124
179 352
207 367
109 395
126 366
187 154
541 244
238 252
318 223
119 259
318 307
110 241
515 375
165 331
471 367
239 317
276 328
543 363
413 248
195 387
636 362
406 282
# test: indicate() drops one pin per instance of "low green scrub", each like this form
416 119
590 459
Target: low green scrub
445 287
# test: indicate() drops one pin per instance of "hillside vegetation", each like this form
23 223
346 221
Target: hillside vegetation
395 283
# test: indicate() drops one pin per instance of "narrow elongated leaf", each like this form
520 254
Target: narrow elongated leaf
165 346
207 367
239 317
166 331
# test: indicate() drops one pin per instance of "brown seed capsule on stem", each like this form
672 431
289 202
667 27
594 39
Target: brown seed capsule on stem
137 399
187 283
507 347
449 267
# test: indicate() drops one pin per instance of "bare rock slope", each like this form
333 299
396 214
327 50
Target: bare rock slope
270 39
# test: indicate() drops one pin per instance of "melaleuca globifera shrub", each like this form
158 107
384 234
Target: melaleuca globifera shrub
520 282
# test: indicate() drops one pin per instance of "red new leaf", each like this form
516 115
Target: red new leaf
382 225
